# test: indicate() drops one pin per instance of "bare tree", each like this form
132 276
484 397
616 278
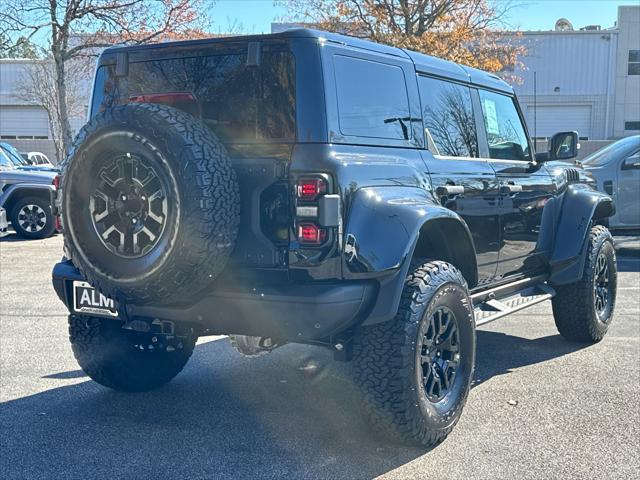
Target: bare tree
79 28
38 86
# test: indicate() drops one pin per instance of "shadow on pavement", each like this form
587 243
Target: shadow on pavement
293 413
499 353
66 375
12 237
628 253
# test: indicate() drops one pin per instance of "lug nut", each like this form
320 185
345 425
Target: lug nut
123 198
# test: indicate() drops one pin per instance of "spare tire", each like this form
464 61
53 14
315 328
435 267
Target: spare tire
150 204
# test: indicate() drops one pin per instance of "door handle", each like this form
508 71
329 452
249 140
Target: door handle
510 189
444 190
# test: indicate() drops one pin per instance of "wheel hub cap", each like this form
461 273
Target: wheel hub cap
601 285
32 218
129 206
439 353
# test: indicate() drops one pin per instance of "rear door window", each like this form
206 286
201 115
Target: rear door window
372 99
506 135
447 112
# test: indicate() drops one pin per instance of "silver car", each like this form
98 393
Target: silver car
26 196
3 222
616 169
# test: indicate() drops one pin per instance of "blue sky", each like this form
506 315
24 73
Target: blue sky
256 16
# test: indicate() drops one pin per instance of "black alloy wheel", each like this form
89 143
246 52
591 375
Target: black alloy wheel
602 288
439 352
128 205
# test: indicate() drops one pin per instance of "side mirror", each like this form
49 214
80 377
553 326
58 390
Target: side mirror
563 146
632 162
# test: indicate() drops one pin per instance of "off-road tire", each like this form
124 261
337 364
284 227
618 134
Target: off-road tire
203 207
574 306
49 225
387 366
121 359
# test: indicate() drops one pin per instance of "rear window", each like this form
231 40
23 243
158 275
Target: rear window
372 99
240 103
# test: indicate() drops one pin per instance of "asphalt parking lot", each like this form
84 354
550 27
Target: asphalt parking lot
540 407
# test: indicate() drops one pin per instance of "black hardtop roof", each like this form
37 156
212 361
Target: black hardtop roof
423 63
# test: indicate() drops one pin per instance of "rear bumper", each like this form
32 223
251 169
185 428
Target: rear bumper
299 312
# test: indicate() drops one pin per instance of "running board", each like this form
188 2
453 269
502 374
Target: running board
493 308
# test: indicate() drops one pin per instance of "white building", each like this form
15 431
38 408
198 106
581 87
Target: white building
586 80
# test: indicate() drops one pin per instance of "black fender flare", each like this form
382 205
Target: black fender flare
580 207
381 234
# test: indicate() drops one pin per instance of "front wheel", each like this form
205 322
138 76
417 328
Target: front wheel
583 310
415 371
126 360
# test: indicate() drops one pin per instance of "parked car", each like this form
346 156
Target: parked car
26 196
37 159
21 163
616 169
315 188
3 222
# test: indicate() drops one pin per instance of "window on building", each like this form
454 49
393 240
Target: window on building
634 62
372 99
505 134
632 125
448 118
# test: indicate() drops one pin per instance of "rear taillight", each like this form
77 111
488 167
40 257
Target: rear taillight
311 188
309 192
57 181
310 234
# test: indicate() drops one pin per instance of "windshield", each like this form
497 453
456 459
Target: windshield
618 149
12 155
4 160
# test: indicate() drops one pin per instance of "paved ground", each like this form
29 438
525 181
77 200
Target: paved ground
294 413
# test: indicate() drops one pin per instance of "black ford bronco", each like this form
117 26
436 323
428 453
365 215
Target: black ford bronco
314 188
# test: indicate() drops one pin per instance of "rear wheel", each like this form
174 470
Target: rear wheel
31 218
126 360
583 310
416 370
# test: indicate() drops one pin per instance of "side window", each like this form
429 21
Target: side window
447 112
372 99
505 133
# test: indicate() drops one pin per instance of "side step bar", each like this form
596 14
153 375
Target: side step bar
502 301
